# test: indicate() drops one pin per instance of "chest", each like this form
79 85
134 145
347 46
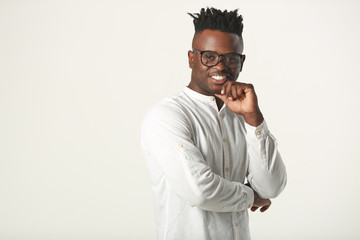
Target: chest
220 136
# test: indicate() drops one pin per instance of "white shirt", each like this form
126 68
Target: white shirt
198 158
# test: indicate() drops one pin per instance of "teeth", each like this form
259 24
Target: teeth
218 77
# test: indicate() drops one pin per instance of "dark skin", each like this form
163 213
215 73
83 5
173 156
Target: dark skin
220 81
238 97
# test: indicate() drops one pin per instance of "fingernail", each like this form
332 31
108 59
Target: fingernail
222 91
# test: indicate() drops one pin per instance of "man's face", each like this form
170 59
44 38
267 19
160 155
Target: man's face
209 80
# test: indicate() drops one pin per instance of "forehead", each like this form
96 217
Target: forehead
221 42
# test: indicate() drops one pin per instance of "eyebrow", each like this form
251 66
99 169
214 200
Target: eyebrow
216 52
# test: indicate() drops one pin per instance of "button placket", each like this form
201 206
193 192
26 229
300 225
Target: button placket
235 224
226 170
211 101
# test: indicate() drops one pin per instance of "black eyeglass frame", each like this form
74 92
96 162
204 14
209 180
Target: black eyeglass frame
219 55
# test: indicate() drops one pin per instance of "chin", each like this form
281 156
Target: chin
216 90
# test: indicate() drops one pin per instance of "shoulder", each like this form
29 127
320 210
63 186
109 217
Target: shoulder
169 111
169 107
165 120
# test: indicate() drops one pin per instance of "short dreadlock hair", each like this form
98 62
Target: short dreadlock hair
215 19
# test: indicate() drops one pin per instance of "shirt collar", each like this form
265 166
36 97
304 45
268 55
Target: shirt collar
210 100
199 96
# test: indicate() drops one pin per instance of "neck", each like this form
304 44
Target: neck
219 103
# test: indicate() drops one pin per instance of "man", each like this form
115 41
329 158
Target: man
202 144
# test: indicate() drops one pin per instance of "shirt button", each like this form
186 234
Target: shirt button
258 133
224 139
249 206
180 145
212 99
236 224
226 169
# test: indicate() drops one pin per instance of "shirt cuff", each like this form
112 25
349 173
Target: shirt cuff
250 196
258 132
256 137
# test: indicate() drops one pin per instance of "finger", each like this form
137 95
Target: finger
229 95
222 97
249 88
225 86
234 91
227 89
264 208
254 208
240 93
225 94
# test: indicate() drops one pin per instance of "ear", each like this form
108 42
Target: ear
191 58
242 62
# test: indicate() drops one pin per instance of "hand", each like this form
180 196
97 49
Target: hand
259 202
241 99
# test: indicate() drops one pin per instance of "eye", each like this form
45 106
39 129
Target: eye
209 57
233 59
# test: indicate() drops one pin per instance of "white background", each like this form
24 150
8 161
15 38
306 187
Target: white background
76 78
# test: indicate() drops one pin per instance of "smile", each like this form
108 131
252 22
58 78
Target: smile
219 79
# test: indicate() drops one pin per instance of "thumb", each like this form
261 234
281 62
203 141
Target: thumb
222 97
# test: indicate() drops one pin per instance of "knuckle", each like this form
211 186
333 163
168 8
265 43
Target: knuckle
250 86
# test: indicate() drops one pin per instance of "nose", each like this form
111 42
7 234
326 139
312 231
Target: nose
221 64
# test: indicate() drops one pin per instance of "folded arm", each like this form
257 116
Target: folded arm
266 172
166 137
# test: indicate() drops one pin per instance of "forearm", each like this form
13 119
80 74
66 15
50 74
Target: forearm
220 195
184 169
173 158
267 172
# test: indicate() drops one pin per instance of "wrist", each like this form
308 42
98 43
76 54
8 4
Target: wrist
254 119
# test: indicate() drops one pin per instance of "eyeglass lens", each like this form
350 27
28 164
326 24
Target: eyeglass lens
210 58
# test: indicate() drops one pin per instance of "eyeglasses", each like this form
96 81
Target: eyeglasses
211 58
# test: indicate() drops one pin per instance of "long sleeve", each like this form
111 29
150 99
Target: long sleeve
166 139
266 172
